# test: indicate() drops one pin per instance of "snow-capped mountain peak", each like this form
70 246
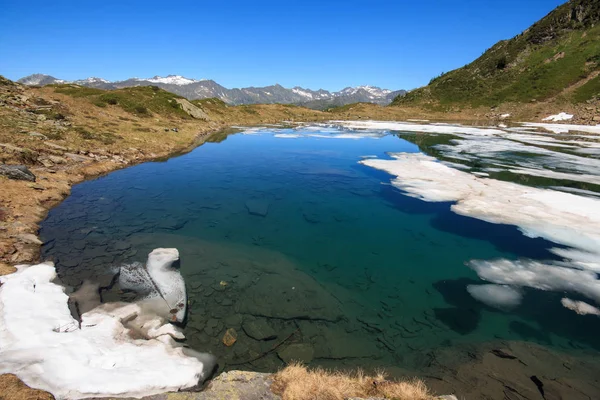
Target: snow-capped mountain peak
373 90
171 80
93 79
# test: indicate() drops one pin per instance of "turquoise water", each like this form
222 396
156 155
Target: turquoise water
292 241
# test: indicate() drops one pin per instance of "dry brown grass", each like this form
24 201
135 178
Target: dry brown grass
296 382
11 388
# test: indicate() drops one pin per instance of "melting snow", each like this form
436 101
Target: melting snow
558 117
563 218
429 128
47 348
564 128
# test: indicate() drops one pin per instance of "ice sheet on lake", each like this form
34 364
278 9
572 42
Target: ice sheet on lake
118 350
546 173
424 128
580 307
497 296
564 128
563 218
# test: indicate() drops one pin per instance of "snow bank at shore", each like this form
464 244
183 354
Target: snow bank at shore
118 349
562 116
563 218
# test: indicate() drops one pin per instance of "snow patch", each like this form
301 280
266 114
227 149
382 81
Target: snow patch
558 117
48 349
302 93
172 80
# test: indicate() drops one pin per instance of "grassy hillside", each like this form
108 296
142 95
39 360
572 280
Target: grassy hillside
142 100
559 56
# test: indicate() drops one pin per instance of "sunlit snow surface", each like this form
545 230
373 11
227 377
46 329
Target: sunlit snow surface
47 348
562 116
564 218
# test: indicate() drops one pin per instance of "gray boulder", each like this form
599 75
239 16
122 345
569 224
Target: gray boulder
17 172
192 110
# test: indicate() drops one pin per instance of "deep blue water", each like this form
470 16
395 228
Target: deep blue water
356 271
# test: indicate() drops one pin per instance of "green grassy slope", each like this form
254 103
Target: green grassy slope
141 100
560 50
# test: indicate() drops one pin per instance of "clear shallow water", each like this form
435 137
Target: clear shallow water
288 235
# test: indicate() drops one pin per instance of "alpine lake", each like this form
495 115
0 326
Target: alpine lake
286 239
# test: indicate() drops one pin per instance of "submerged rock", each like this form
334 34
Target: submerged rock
230 337
258 207
301 352
259 329
289 295
17 172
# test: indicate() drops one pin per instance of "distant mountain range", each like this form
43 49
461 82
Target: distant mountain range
201 89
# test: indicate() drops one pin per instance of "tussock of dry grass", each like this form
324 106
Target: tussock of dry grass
11 388
296 382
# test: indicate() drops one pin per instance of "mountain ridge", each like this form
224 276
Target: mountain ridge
555 59
195 89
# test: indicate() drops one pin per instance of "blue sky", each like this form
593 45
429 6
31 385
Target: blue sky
315 44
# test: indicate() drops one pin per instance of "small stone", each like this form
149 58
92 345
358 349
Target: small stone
301 352
121 245
38 135
29 238
227 302
234 321
596 118
311 217
230 337
46 163
212 323
197 323
57 159
55 146
36 186
77 157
